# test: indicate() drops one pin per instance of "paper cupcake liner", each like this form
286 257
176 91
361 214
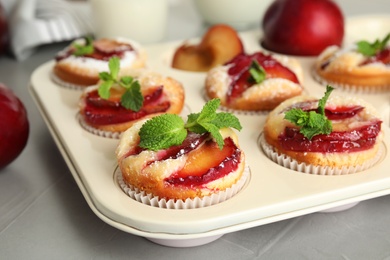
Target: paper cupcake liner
65 84
350 88
290 163
95 131
155 201
237 111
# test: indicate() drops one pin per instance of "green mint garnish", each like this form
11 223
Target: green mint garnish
132 97
167 130
370 49
312 123
83 49
257 73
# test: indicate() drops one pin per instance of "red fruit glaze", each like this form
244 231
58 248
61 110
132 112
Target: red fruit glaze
220 168
101 52
382 57
99 111
241 78
358 139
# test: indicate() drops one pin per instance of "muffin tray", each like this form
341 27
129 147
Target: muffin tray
272 192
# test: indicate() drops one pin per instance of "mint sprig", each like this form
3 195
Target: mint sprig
257 72
83 49
167 130
312 123
132 97
370 49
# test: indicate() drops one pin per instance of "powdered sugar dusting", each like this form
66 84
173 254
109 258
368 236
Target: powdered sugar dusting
96 66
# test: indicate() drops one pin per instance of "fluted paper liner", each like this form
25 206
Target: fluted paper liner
95 131
292 164
65 84
350 88
198 202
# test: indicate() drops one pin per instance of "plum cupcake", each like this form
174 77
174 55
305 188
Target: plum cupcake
166 162
327 136
79 64
255 82
117 102
364 67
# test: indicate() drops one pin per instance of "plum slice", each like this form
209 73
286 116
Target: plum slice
356 139
99 111
207 163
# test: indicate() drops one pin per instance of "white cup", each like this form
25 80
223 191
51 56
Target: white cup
144 21
240 14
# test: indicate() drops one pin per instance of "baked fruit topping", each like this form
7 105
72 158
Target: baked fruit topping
102 49
78 65
364 66
255 82
100 111
173 159
219 44
378 51
335 132
243 68
117 102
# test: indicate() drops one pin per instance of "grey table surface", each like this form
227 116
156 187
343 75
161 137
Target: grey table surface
43 214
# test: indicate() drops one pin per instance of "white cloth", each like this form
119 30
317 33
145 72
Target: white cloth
36 22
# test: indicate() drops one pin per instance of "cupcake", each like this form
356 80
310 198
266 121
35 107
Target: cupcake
335 135
116 103
255 82
79 64
364 67
168 160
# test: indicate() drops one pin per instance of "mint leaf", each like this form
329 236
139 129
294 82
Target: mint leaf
126 80
312 123
162 132
214 131
223 120
104 89
131 98
257 72
208 111
322 101
155 137
370 49
105 76
83 49
114 65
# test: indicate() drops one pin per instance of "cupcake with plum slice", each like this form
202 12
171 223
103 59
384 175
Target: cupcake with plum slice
255 82
329 136
117 102
166 162
364 67
79 64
